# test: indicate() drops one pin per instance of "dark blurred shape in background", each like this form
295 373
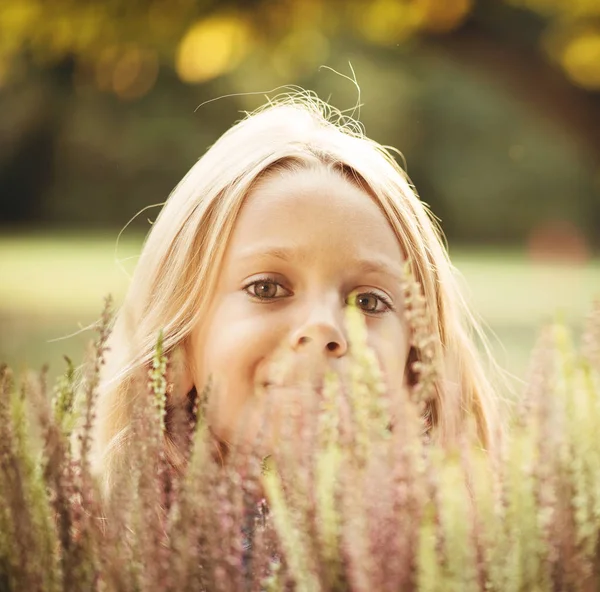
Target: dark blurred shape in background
495 105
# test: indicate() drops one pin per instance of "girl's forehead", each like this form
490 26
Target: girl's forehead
313 210
300 191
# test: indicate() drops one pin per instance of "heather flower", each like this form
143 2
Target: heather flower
31 542
422 338
366 391
64 399
352 498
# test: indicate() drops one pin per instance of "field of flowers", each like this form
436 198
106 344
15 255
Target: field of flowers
356 497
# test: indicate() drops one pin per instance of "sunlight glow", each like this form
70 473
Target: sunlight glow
386 22
211 48
441 16
581 60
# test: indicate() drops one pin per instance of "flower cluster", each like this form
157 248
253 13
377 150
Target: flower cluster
348 500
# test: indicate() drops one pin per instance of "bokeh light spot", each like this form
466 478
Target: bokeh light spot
441 16
386 22
135 73
581 60
211 48
17 19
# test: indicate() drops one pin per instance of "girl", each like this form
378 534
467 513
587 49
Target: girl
292 214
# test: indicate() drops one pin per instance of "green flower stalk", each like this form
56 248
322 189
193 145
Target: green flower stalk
328 465
31 539
158 384
422 338
293 539
456 525
64 399
430 575
366 393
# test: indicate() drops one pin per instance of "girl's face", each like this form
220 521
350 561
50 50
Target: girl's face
304 245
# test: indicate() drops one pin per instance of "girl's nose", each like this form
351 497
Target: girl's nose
322 336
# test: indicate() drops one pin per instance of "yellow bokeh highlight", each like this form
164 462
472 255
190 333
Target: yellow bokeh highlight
211 48
441 16
389 22
581 60
18 20
386 22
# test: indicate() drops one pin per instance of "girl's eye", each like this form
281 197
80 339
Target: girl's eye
372 303
266 289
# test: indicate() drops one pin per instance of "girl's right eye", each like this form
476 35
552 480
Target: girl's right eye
266 289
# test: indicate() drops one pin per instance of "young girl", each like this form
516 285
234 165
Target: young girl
292 214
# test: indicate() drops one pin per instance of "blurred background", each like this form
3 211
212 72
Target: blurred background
494 104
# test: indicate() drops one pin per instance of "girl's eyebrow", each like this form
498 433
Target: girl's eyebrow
288 254
379 264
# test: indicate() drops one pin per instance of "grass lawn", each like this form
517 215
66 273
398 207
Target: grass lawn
53 286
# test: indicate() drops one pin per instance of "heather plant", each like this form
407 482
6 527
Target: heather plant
358 495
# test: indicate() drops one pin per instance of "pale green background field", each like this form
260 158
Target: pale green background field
51 286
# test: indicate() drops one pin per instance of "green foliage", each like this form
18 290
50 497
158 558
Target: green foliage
123 55
349 500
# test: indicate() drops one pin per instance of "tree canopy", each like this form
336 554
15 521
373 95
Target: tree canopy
119 46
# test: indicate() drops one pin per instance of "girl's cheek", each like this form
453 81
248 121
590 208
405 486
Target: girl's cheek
235 353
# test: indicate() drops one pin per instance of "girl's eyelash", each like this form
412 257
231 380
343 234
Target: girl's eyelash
263 280
386 301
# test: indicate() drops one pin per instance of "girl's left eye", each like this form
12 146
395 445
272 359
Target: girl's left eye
371 302
265 289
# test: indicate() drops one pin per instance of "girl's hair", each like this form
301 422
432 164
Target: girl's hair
180 261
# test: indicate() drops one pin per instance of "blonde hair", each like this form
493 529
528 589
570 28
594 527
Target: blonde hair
180 260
